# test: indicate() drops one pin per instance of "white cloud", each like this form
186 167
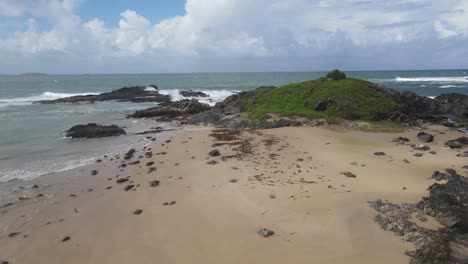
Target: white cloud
285 31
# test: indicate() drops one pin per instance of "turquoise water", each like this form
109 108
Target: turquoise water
32 139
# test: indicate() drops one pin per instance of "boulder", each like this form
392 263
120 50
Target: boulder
425 137
457 143
94 131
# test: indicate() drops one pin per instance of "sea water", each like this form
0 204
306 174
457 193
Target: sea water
32 138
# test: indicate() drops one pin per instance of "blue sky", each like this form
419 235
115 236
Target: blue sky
129 36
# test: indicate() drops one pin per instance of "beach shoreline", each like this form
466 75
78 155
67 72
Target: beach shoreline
288 180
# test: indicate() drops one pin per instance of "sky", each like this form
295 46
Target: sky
151 36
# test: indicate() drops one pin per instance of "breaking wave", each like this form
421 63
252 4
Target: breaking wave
434 79
215 96
43 96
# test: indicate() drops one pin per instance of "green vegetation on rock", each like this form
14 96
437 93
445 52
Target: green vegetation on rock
336 75
321 98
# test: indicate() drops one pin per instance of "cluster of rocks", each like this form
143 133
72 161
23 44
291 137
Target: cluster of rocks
448 204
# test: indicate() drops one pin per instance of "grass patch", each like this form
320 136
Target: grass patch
350 98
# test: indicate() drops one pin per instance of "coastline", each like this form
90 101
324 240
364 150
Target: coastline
317 214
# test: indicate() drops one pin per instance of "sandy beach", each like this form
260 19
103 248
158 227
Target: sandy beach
288 180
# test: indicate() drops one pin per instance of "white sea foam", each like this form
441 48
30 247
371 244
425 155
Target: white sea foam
215 96
434 79
43 96
450 86
151 89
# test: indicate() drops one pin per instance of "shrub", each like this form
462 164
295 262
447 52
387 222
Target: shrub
336 75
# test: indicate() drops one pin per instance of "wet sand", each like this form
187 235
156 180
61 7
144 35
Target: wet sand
288 180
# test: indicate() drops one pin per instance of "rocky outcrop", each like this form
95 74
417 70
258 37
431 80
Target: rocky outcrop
447 203
191 93
94 131
455 104
173 109
135 94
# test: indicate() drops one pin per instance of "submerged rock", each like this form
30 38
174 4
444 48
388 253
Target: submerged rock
191 93
92 130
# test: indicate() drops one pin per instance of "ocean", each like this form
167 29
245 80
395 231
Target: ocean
32 138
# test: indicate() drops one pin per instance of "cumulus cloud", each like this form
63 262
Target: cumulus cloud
239 35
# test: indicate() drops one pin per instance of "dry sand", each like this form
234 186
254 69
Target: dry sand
318 215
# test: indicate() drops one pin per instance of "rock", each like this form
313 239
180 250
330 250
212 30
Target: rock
173 109
418 155
454 104
379 154
432 152
214 153
94 172
425 137
191 93
149 164
421 148
154 183
212 162
457 143
272 196
136 94
400 140
65 239
233 180
12 235
264 232
35 186
462 154
439 176
169 203
129 154
122 180
152 169
349 174
5 262
129 187
321 105
92 130
137 212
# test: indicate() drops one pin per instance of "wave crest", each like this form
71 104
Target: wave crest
434 79
44 96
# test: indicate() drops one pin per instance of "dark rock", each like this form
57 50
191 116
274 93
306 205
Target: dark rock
35 186
214 153
154 183
439 176
349 174
458 143
447 203
173 109
191 93
421 148
425 137
462 154
323 105
137 212
12 235
151 163
379 153
455 104
129 154
65 239
129 187
136 94
94 131
94 172
400 140
122 180
212 162
264 232
418 155
152 169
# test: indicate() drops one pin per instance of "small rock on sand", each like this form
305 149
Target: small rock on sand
379 153
233 180
214 153
349 174
265 232
122 180
65 239
137 212
213 162
425 137
154 183
129 187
